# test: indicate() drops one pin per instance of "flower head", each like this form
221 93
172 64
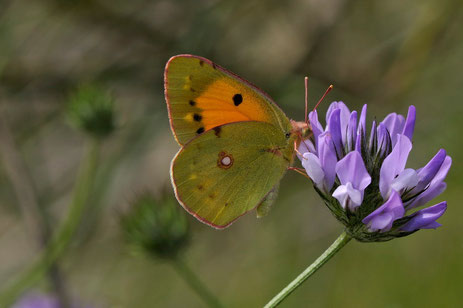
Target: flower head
156 226
91 110
363 179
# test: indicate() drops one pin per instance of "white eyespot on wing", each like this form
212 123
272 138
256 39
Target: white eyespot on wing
226 161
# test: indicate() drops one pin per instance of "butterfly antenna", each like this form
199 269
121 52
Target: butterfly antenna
306 83
321 99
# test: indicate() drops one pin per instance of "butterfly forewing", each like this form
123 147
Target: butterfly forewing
201 95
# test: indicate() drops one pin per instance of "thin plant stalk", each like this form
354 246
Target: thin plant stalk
28 203
195 283
339 243
63 236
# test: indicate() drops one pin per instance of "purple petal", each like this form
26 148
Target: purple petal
410 122
344 117
328 159
384 216
348 196
358 143
435 188
351 169
345 112
332 107
407 179
430 193
383 137
334 128
314 170
306 146
317 128
442 173
432 225
426 218
394 124
428 172
362 128
372 134
382 221
394 164
390 121
352 131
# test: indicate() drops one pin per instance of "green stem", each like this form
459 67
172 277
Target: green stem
193 281
63 236
342 240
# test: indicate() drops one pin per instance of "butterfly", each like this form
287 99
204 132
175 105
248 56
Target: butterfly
236 143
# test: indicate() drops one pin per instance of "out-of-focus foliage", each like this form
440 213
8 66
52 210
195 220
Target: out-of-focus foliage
389 54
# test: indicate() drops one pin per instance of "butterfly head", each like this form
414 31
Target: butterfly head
300 129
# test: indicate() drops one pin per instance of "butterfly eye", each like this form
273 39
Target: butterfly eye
288 135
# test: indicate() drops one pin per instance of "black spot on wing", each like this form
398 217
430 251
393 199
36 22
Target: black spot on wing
200 130
201 62
217 131
237 99
192 103
197 117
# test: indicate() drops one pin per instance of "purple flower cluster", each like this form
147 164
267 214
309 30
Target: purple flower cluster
363 177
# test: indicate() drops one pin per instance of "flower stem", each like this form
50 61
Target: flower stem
342 240
35 218
63 236
195 283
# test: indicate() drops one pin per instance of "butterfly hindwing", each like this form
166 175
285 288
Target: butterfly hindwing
201 95
227 171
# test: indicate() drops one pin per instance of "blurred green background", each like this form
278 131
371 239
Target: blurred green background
389 54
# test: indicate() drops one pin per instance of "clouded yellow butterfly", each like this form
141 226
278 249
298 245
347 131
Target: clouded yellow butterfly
236 142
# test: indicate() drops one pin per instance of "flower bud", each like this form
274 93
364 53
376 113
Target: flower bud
91 109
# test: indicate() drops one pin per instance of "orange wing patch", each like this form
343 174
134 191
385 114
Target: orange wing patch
223 102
